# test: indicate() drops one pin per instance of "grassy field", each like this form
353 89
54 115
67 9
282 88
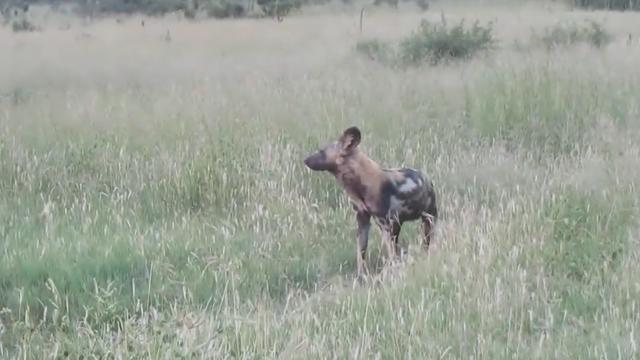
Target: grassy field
154 203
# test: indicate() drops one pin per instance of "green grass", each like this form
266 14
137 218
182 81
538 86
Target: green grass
162 210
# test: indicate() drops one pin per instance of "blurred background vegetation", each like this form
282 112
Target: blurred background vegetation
236 8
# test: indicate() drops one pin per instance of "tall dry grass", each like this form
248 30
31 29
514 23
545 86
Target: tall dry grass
153 203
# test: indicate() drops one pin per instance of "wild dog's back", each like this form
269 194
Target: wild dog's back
409 195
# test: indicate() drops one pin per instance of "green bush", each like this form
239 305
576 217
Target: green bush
225 9
607 4
14 13
191 8
567 34
160 7
423 4
437 42
10 9
375 50
149 7
279 8
392 3
23 25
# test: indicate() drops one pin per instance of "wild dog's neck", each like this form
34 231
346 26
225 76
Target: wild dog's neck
360 176
359 164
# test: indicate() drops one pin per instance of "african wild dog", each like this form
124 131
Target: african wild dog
391 196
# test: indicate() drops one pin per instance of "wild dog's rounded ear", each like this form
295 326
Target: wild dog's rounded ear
350 138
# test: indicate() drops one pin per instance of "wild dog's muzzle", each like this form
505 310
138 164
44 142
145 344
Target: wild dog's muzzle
317 161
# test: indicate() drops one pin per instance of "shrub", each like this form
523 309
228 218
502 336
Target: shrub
191 8
23 25
607 4
149 7
160 7
437 42
12 9
392 3
278 8
375 50
225 9
14 13
423 4
567 34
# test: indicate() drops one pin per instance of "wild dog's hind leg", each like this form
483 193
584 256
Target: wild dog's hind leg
395 234
362 240
428 226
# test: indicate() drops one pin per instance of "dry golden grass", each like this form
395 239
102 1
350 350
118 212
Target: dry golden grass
153 202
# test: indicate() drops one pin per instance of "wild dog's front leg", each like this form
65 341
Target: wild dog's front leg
362 240
388 237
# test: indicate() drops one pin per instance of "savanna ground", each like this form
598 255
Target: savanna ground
153 201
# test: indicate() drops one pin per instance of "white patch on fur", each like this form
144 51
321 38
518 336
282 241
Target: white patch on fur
408 186
395 204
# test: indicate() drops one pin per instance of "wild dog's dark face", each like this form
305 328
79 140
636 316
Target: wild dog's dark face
330 157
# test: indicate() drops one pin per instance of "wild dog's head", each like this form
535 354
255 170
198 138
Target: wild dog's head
334 154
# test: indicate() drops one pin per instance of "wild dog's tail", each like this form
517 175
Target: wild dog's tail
431 199
433 206
429 219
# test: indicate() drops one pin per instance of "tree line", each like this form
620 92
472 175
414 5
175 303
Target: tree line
234 8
